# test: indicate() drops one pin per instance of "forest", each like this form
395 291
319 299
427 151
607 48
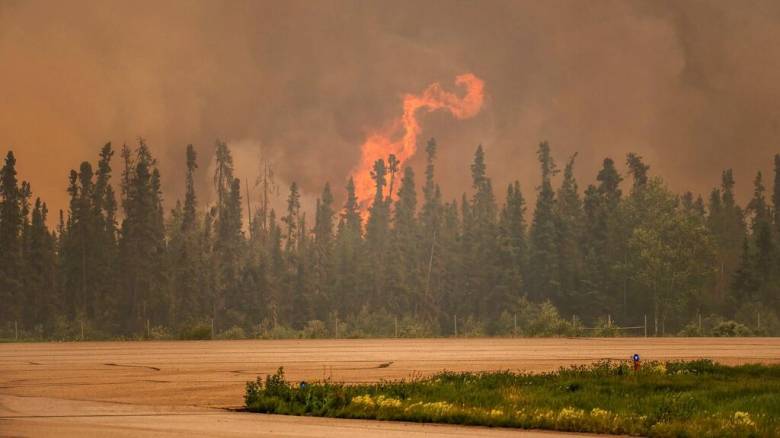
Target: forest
621 251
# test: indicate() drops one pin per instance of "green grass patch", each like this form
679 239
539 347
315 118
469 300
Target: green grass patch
671 399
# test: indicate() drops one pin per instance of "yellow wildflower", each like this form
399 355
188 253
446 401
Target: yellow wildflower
743 419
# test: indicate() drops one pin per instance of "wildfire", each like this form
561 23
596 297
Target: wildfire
400 136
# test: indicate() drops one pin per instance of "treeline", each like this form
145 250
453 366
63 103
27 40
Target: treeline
616 253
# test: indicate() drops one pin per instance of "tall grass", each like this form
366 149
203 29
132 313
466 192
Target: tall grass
696 399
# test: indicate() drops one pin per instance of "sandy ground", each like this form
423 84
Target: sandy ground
184 388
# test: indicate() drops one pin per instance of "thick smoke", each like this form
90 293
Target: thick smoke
692 86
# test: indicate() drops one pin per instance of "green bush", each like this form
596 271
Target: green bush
159 333
195 332
278 331
410 327
730 329
315 329
761 320
234 332
368 324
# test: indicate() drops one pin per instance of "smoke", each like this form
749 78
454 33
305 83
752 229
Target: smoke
692 86
399 138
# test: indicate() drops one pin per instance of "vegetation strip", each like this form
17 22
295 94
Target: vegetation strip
661 399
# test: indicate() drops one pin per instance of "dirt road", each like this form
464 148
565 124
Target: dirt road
182 388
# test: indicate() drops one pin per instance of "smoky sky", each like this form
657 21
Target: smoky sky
692 86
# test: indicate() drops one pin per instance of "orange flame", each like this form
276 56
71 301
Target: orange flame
400 136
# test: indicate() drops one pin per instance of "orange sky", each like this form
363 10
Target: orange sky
692 86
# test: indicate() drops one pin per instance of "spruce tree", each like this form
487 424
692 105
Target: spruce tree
543 281
324 298
377 229
10 243
404 265
348 255
142 244
483 296
513 243
568 227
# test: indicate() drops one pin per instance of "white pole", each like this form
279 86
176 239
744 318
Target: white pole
456 326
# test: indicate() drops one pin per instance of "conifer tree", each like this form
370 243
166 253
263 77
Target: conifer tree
568 227
10 240
39 304
323 255
513 243
142 245
348 253
377 229
404 267
543 281
483 296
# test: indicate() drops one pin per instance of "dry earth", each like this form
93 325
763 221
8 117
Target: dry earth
183 388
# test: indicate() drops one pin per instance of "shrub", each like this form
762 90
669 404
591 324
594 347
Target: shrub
707 328
760 319
368 324
409 327
234 332
195 332
730 329
315 329
472 328
278 331
159 333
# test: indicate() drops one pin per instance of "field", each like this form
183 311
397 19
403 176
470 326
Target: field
183 388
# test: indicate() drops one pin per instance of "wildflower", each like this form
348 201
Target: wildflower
496 413
364 400
743 419
437 408
388 402
570 413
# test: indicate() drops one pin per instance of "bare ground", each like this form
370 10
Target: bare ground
183 388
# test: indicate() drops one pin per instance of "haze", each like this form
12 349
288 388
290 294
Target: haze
692 86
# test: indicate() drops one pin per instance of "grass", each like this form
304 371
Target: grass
672 399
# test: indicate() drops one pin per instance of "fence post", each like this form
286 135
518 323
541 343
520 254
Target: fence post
609 321
456 326
514 333
395 320
645 325
212 328
82 329
16 331
148 330
758 320
700 324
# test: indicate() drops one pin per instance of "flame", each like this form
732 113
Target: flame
400 136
